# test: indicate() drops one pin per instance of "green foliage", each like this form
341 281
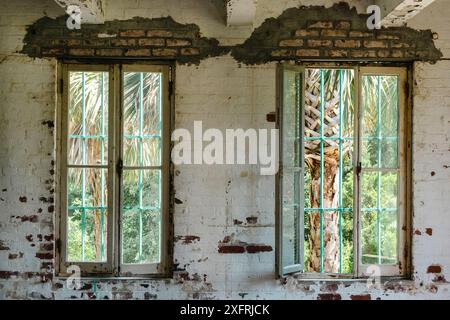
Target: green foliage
88 116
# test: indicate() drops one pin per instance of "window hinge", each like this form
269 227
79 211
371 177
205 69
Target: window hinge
170 88
359 168
58 245
407 90
119 167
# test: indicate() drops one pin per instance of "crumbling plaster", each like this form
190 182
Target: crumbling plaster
231 96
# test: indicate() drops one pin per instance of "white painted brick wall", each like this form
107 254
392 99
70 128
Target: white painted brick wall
223 94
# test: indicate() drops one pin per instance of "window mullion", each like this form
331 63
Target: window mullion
113 177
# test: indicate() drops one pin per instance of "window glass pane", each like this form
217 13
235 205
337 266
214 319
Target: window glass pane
379 237
87 215
379 107
329 175
142 152
141 188
380 154
389 152
291 172
291 210
369 190
142 118
140 236
369 237
88 118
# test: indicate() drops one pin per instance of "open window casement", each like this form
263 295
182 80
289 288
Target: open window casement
290 182
383 170
341 188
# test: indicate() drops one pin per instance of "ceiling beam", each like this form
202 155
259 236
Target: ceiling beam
241 12
396 13
91 10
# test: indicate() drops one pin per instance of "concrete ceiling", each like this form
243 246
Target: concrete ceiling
242 12
395 13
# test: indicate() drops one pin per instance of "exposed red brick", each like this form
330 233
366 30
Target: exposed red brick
307 53
434 269
187 239
397 54
133 33
13 256
329 287
237 222
334 33
320 43
271 117
375 44
123 42
347 43
23 199
138 53
291 43
429 231
361 297
44 255
178 42
47 246
439 278
95 42
164 52
338 53
49 237
258 248
159 33
363 54
252 220
307 33
3 247
150 296
229 248
329 296
109 52
417 232
152 42
227 239
384 53
33 218
8 274
359 34
81 52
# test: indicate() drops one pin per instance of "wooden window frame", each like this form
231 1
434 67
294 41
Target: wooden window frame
402 271
113 267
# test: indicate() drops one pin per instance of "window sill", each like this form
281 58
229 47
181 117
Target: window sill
116 278
300 277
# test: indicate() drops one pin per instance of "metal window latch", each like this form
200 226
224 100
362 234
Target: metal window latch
359 168
119 167
58 245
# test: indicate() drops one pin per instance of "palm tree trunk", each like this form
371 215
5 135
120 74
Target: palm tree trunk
330 218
